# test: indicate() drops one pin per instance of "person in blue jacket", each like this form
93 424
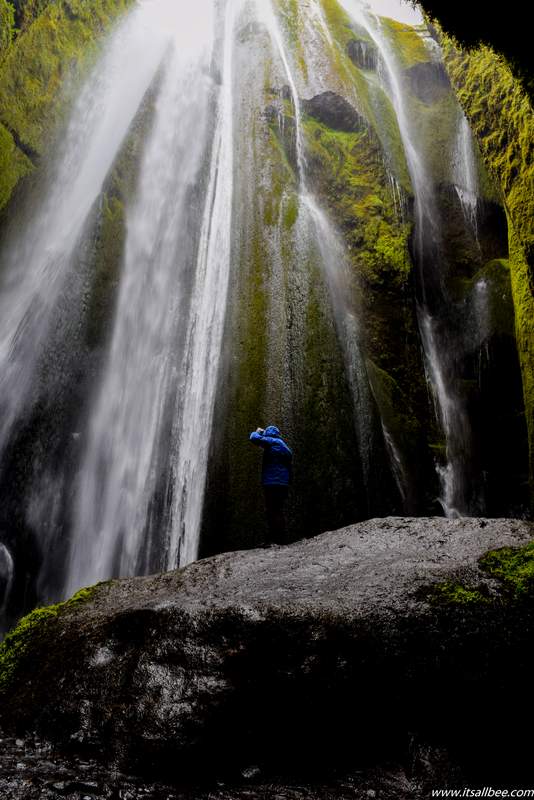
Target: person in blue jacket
275 477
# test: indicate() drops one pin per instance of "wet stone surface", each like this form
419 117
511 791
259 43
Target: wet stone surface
32 769
324 655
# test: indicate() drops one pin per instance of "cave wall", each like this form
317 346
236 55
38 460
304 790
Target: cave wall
502 119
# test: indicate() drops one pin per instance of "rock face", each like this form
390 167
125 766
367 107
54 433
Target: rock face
501 115
336 650
428 81
333 110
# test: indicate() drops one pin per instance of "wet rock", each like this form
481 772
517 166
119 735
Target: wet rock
328 652
59 777
334 111
428 81
363 53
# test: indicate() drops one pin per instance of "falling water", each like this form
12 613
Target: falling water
482 320
453 420
193 432
123 465
38 261
399 471
6 578
449 407
465 174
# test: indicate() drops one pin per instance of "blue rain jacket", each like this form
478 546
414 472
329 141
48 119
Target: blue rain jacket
276 469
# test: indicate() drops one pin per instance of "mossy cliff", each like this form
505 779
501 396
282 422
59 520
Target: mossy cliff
55 46
502 120
286 364
347 170
7 27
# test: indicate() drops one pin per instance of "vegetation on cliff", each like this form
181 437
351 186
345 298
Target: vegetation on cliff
502 119
37 68
7 26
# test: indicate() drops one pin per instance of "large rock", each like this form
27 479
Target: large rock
334 111
337 649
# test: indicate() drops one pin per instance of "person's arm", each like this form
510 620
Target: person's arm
258 438
277 445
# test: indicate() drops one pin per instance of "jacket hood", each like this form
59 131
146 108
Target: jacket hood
272 430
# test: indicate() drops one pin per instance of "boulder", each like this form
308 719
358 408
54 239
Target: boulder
334 650
334 111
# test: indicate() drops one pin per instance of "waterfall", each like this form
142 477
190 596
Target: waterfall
465 175
151 425
437 344
38 260
453 420
193 432
6 578
266 238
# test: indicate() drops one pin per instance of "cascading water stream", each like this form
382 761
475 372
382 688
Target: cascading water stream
6 578
449 407
465 174
208 307
123 463
38 262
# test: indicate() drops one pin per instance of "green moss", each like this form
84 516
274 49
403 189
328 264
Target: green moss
514 568
291 211
349 176
281 195
373 103
30 10
34 628
61 42
523 298
347 170
290 14
339 23
452 593
409 46
14 165
7 26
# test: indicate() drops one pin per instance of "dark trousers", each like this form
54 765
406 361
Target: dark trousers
275 499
